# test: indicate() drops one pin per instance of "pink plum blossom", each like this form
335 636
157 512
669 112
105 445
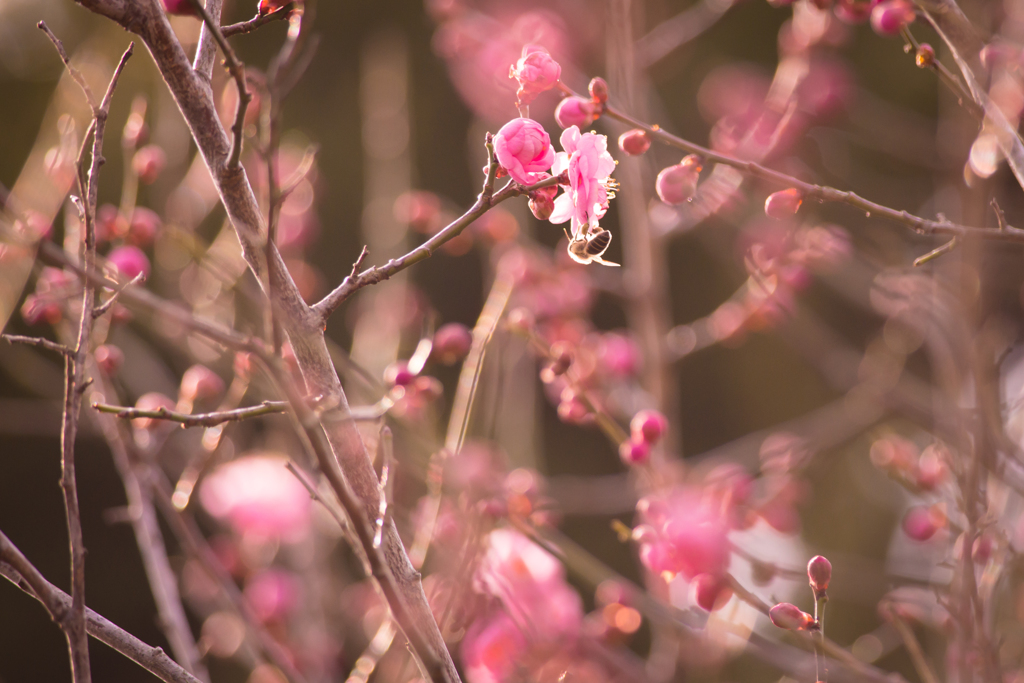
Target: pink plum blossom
256 494
491 648
272 594
589 164
682 535
523 148
536 72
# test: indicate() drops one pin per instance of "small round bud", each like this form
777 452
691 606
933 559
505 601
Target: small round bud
633 452
148 162
398 374
575 111
819 571
598 90
451 343
200 383
790 617
677 184
180 7
635 142
110 359
783 204
648 426
542 202
130 261
144 226
920 524
573 412
925 55
888 18
711 591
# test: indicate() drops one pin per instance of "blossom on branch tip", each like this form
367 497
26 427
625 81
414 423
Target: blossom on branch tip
819 572
523 149
536 72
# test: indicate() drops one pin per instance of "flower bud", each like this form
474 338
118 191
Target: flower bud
790 617
635 142
920 524
130 261
783 204
148 162
888 18
542 204
398 374
648 426
523 148
677 184
598 90
711 591
109 358
182 7
853 11
819 571
575 111
634 452
451 343
925 55
144 226
536 72
521 320
200 383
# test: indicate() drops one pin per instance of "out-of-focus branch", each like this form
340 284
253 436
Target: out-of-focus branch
39 342
197 420
16 569
679 30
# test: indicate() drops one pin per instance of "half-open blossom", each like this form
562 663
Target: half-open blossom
589 165
523 148
575 111
536 72
683 535
257 495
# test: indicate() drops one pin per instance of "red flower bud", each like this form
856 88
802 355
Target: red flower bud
598 90
889 17
925 56
398 374
649 426
783 204
109 358
790 617
635 142
451 343
575 111
182 7
819 571
200 383
711 591
130 261
634 452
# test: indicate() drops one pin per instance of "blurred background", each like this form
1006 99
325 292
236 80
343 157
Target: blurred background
397 99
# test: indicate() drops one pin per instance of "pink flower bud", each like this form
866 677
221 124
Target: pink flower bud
148 162
398 374
144 226
542 203
790 617
110 224
889 17
819 571
267 6
854 11
598 90
130 261
451 343
635 142
634 452
575 111
536 72
109 358
523 148
920 523
649 426
783 204
925 55
182 7
711 591
200 383
149 402
677 184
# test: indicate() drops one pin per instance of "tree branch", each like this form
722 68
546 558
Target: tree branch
257 21
198 420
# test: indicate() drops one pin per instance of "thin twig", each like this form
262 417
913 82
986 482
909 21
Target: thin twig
824 193
75 73
485 201
38 341
937 252
257 21
199 419
27 578
924 670
237 71
105 306
387 450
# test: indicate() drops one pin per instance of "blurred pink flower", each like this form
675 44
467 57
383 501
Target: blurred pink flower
536 72
530 583
682 535
130 261
491 648
257 495
523 148
589 164
272 594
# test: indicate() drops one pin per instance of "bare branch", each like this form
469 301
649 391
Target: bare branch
27 578
257 21
105 306
75 73
38 341
197 420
